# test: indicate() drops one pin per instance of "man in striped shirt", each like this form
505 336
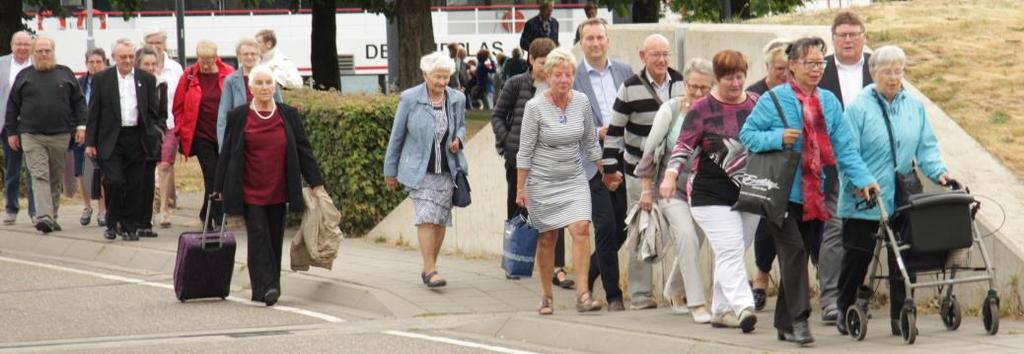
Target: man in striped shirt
636 104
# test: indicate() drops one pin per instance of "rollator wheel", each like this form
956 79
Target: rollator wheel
990 314
908 323
951 313
856 323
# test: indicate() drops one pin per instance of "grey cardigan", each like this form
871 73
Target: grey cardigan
233 95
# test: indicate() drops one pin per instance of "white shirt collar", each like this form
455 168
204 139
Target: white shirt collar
655 83
591 69
131 74
858 65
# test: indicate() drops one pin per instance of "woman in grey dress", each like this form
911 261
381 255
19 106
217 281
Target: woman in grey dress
557 130
425 152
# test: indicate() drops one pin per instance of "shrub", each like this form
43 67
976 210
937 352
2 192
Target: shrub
350 135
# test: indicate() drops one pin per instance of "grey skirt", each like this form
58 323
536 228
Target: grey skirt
432 199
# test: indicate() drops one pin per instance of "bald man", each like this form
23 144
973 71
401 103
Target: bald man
635 106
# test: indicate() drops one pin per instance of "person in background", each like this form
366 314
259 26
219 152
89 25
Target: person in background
590 9
816 130
485 69
170 72
147 59
196 101
515 65
540 26
236 86
558 136
425 154
266 157
10 65
45 109
285 72
684 277
95 62
498 76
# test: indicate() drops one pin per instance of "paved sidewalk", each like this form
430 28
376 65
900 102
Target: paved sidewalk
383 281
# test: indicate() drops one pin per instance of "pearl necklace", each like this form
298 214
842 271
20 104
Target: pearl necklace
271 115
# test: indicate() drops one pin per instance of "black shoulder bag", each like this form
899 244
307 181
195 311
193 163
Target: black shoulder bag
907 184
765 186
460 196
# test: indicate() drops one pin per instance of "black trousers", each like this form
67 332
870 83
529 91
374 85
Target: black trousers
148 194
609 215
793 242
764 247
123 178
512 208
207 153
264 226
859 242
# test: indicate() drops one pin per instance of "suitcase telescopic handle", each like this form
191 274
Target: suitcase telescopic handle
206 221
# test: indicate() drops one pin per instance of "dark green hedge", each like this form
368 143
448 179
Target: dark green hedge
349 135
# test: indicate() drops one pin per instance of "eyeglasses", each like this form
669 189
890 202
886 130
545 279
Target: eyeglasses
897 73
693 87
659 55
813 65
848 35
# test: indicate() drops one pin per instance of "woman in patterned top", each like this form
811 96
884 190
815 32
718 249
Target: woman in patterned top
557 130
712 126
425 153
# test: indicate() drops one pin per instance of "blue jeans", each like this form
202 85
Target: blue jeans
12 180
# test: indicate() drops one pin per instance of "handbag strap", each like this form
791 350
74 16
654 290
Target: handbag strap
778 108
888 127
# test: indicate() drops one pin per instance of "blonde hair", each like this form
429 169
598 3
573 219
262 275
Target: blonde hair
775 50
560 56
267 35
206 47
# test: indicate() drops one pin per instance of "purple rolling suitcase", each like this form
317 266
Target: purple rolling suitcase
204 263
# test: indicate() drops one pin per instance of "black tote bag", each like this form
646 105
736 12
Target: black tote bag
907 184
765 186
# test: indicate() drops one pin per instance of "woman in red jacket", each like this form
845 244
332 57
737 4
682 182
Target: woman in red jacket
196 101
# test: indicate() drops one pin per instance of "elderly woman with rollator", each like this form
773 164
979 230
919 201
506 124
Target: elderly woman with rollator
817 131
885 120
684 276
558 135
424 154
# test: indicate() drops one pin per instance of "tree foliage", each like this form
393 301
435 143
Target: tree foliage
710 10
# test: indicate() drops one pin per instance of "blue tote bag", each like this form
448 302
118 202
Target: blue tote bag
520 247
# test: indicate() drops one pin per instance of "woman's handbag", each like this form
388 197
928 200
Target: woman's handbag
907 184
460 196
766 184
520 247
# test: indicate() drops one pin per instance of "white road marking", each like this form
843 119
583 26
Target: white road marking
457 342
118 278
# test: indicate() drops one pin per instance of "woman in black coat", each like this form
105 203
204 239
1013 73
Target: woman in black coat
265 157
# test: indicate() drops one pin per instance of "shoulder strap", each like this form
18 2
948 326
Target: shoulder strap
778 108
888 127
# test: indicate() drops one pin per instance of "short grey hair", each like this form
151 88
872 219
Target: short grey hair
259 70
437 61
886 56
23 33
155 32
698 65
122 42
560 56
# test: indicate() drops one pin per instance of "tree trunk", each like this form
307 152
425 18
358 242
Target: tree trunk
646 11
323 55
10 22
414 22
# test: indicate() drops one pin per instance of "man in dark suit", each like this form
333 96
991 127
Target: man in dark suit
846 73
599 77
122 107
542 25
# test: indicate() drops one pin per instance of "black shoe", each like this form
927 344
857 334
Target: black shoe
786 336
565 284
841 324
110 234
147 233
56 226
44 226
270 298
894 325
829 316
802 332
760 299
129 235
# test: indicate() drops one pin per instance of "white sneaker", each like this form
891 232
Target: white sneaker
680 309
701 318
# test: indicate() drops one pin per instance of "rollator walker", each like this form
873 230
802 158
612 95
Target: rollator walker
931 227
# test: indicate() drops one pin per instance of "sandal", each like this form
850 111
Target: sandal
565 284
86 216
546 306
584 303
432 283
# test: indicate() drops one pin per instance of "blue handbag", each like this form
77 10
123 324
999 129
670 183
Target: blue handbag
520 247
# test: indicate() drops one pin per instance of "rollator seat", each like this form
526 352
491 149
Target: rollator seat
933 222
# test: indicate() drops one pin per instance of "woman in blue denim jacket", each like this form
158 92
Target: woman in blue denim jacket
914 141
816 130
425 153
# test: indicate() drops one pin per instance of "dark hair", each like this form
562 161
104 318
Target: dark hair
97 51
483 54
847 17
589 7
798 49
728 62
541 47
501 58
517 53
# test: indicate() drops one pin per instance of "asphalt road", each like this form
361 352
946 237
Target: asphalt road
50 306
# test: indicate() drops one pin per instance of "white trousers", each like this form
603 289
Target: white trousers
685 271
729 233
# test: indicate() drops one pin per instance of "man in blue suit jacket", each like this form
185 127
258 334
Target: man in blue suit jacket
542 25
599 78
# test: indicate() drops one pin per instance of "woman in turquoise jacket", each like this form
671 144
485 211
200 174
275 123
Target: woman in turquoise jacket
425 153
816 130
914 141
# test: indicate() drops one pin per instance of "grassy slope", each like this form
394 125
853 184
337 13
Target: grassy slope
966 55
